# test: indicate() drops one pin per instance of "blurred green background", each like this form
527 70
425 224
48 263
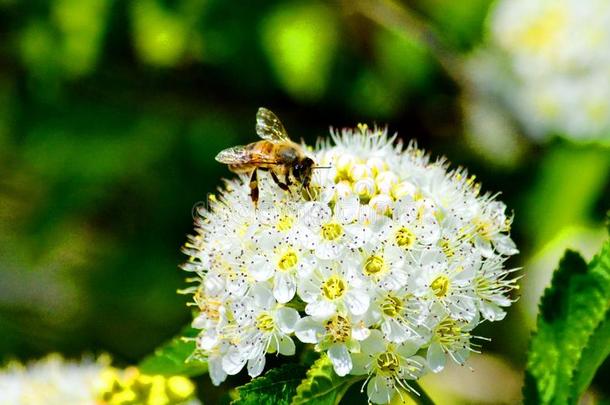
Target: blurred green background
111 113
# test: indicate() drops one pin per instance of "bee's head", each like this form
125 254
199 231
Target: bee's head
302 170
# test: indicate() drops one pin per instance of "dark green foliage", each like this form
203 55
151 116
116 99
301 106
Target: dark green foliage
174 357
322 386
571 338
277 386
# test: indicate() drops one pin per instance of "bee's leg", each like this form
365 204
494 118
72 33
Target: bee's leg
254 187
287 178
305 186
278 182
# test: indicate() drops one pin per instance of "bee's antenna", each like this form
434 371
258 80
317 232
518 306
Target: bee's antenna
321 167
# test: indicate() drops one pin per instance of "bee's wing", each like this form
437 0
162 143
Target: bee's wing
269 126
233 156
244 154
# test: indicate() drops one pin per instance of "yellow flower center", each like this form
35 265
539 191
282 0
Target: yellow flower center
388 363
405 238
334 287
448 332
265 323
288 260
484 229
391 306
285 223
332 231
440 286
374 265
339 329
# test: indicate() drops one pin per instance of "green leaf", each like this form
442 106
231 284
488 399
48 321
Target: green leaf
592 357
571 310
322 386
175 357
277 386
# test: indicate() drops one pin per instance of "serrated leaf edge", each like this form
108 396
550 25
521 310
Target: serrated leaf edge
316 370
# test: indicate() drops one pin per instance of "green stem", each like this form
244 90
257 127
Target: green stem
422 398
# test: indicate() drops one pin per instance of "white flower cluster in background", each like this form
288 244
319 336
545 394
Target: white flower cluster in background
386 265
57 381
549 61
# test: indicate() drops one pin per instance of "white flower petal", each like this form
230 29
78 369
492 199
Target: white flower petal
321 309
339 356
484 246
361 363
284 287
286 319
328 250
374 343
360 331
379 390
505 245
436 357
429 231
491 311
233 362
263 297
261 268
217 374
357 301
256 366
286 346
314 214
308 330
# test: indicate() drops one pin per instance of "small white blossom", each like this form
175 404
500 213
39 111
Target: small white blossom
388 367
263 326
338 335
385 264
548 61
334 287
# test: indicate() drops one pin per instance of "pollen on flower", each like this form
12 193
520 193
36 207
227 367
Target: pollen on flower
338 328
285 222
334 288
373 265
392 306
440 286
288 260
405 238
448 332
264 322
381 262
483 229
332 231
388 363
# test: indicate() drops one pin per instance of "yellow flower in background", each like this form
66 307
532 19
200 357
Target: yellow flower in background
54 380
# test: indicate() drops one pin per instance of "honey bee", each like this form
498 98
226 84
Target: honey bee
276 153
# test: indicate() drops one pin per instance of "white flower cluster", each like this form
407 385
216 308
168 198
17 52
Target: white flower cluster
386 265
56 381
550 62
